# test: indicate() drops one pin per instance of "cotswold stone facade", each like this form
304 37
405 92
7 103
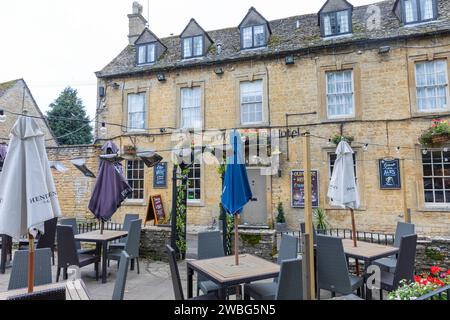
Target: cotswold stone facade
292 64
15 96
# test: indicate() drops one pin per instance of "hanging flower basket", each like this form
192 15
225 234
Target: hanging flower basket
438 134
338 138
130 150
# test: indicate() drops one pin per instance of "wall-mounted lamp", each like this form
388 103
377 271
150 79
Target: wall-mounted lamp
115 86
280 173
163 130
218 70
289 60
103 129
2 116
384 50
161 77
101 92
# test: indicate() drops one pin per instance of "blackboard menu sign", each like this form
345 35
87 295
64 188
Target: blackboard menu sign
298 188
155 210
160 175
390 174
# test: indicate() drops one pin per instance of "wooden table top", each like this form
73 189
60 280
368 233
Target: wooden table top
107 235
74 290
367 251
224 270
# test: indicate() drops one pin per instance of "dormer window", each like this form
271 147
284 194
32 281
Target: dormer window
193 47
336 23
146 53
415 11
253 37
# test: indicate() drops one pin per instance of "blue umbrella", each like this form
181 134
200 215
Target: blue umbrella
236 191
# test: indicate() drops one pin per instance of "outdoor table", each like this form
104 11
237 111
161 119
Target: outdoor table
367 252
101 242
225 273
6 248
74 290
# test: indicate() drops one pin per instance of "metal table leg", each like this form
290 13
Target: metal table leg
190 276
104 254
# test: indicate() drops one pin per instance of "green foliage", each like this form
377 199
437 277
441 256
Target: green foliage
321 219
438 128
181 214
251 239
76 130
280 217
338 138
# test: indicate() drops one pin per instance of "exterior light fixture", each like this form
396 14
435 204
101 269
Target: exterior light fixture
397 149
161 77
101 92
365 147
115 85
218 71
384 50
162 130
2 116
424 152
289 60
103 129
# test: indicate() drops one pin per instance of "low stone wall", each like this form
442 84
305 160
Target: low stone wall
433 251
262 243
153 243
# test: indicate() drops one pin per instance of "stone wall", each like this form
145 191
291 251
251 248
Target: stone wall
262 243
153 243
432 252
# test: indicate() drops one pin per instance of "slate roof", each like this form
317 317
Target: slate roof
286 37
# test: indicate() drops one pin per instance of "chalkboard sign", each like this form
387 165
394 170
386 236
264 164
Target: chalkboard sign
160 175
390 174
155 210
298 188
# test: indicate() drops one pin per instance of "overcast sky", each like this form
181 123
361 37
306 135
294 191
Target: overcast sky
57 43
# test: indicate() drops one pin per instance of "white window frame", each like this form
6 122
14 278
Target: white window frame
433 177
329 17
196 165
345 116
253 44
419 10
143 112
183 106
447 94
242 104
191 41
146 58
131 180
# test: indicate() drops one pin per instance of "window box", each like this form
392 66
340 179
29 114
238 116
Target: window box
439 133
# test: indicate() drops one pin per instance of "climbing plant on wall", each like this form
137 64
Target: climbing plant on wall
181 213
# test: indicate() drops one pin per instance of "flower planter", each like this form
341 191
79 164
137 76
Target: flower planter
440 138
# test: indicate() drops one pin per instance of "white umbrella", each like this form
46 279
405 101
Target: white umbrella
27 193
343 190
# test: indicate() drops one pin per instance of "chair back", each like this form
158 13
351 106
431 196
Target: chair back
290 280
406 259
42 268
332 269
119 286
67 250
303 231
288 248
175 273
73 223
133 239
210 245
127 223
403 229
47 240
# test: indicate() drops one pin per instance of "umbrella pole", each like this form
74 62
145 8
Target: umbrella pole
353 227
31 263
236 240
102 226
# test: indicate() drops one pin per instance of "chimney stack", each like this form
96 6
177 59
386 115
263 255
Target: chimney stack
137 23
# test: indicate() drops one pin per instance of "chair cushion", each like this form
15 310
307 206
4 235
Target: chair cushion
261 290
114 254
356 282
387 280
208 286
389 263
86 259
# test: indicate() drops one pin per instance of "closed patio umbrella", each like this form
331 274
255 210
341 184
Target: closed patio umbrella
343 190
28 195
236 191
111 187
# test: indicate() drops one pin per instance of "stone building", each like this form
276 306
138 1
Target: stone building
15 97
377 73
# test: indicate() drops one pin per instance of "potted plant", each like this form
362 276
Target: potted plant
281 225
338 138
437 134
130 150
321 220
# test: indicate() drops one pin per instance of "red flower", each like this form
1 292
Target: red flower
417 279
448 272
435 270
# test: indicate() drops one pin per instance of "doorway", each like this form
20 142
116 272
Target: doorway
255 212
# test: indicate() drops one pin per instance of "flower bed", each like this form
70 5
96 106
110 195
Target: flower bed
422 285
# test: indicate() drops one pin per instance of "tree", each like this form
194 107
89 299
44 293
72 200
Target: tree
68 119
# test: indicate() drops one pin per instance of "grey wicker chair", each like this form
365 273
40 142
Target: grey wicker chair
42 268
288 287
403 229
131 246
126 227
68 254
119 286
176 281
332 268
259 290
209 246
73 223
405 265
